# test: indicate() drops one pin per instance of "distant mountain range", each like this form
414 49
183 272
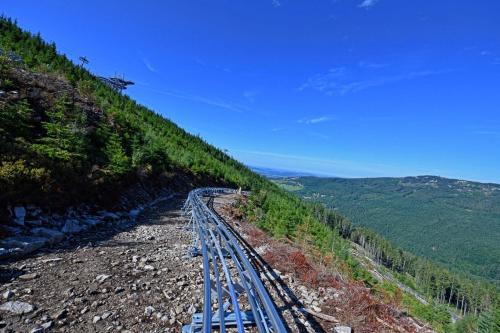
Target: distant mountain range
279 173
454 222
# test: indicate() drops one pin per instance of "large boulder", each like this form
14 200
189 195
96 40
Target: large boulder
92 221
342 329
54 236
134 213
17 307
73 226
19 214
19 245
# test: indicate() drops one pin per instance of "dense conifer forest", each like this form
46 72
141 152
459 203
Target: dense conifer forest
462 215
88 139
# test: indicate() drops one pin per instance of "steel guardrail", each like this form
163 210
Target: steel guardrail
224 258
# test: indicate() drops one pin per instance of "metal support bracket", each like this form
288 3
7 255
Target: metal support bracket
229 320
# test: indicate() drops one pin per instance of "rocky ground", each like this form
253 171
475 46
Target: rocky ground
121 277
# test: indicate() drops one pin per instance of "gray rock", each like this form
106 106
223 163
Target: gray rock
8 294
54 236
92 221
17 307
133 213
37 330
148 311
27 277
106 315
5 253
61 314
96 319
342 329
102 277
48 325
13 230
34 211
20 214
34 222
52 260
22 244
109 216
72 226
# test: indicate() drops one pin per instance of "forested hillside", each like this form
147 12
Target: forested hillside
85 137
453 222
67 137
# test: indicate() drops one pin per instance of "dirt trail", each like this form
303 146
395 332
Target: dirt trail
131 277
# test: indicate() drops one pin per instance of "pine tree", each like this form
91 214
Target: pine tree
15 120
64 138
118 163
489 321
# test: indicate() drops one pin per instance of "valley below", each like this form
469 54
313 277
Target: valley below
453 222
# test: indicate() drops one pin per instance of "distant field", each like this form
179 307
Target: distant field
453 222
289 184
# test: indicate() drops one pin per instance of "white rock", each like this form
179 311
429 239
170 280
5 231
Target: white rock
342 329
102 277
106 315
37 330
96 319
20 214
17 307
52 260
47 325
8 294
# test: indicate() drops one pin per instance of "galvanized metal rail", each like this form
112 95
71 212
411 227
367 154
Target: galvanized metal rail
239 296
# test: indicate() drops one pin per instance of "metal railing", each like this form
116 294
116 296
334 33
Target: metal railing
240 296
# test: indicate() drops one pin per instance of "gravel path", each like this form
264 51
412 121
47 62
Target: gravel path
130 277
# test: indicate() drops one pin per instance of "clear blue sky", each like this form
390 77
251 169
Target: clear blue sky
348 87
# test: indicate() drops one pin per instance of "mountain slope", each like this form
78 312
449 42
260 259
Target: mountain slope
66 136
454 222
